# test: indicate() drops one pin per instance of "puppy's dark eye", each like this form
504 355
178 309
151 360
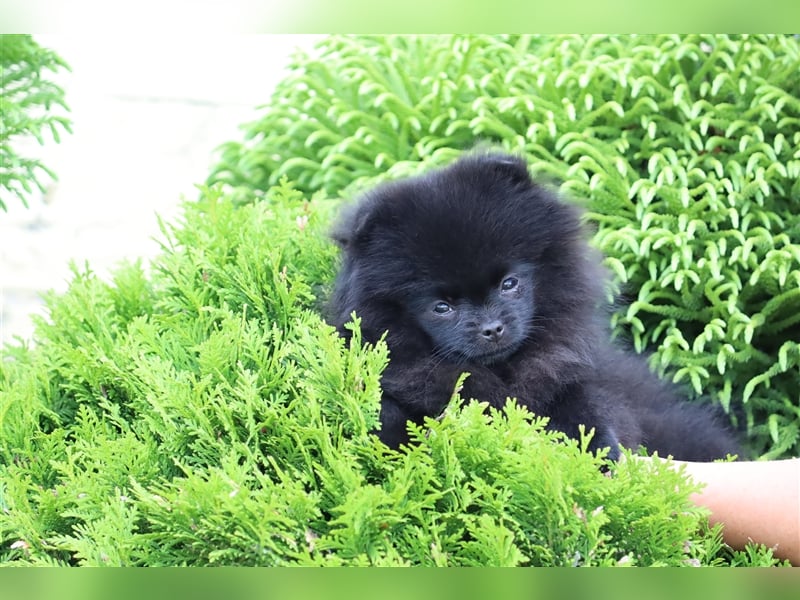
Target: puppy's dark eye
509 283
442 308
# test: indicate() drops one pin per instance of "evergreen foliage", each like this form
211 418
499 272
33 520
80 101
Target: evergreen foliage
205 415
27 102
684 149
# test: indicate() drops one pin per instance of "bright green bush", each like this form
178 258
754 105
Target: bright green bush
685 150
205 415
27 103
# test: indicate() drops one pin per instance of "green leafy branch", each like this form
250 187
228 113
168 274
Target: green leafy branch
29 108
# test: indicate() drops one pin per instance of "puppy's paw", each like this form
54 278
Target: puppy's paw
605 437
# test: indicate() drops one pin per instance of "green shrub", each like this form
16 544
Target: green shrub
685 151
205 415
27 100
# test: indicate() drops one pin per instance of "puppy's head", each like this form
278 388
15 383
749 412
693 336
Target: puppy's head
475 252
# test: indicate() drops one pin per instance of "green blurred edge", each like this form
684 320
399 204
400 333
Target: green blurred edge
396 583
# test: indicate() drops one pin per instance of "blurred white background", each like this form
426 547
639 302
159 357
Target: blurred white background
147 113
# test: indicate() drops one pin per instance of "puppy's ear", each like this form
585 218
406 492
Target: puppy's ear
507 166
352 225
343 229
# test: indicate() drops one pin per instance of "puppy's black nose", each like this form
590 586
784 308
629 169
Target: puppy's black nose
492 331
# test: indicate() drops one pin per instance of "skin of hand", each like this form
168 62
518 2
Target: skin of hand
756 501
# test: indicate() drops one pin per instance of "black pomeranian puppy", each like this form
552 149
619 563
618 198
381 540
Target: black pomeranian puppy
475 268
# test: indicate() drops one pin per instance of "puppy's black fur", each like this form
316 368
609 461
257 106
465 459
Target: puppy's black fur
475 268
